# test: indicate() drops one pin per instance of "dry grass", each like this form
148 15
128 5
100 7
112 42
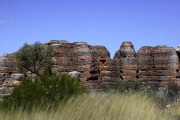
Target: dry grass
95 106
173 109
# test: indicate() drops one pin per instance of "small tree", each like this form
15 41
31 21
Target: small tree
34 58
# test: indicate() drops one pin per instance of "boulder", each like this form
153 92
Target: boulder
74 74
16 76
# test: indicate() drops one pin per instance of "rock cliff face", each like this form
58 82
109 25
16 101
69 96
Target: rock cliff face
157 65
151 65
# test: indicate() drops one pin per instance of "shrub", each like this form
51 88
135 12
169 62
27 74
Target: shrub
162 94
42 91
124 86
166 95
130 85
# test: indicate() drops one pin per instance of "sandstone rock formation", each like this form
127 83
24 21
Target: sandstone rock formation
126 63
157 65
151 65
8 69
90 61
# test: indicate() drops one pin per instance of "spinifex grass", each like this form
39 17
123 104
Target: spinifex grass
95 106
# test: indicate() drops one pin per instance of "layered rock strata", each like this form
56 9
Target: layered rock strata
126 63
8 74
157 65
90 61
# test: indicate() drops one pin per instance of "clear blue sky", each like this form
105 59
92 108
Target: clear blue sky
98 22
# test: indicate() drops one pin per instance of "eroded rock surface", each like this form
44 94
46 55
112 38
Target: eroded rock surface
90 61
126 63
151 65
157 65
8 69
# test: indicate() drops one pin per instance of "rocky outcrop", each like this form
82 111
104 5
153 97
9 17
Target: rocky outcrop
157 65
151 65
126 63
8 74
90 61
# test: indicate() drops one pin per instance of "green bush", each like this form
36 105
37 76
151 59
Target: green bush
124 86
42 91
129 85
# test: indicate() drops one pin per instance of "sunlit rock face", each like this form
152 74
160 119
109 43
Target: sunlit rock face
8 69
99 68
157 65
90 61
125 62
145 63
8 66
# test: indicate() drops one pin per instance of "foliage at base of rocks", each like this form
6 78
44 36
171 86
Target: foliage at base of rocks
166 95
162 95
43 91
124 86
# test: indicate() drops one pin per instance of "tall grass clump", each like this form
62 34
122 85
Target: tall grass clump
43 91
105 106
96 106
